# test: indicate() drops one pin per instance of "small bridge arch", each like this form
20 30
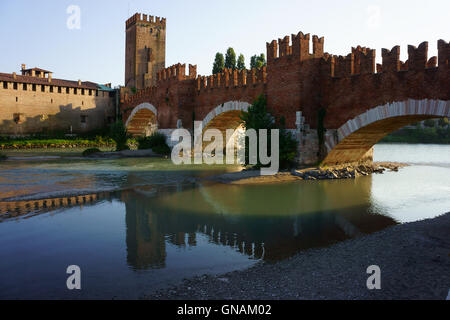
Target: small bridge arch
226 116
356 137
143 120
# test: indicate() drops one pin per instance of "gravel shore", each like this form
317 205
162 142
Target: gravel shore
414 259
308 173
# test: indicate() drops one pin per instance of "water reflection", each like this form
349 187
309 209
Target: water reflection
270 222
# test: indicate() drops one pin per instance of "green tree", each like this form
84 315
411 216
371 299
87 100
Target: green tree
257 117
219 63
257 62
241 62
230 59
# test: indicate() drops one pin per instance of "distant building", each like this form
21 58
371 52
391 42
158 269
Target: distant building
34 102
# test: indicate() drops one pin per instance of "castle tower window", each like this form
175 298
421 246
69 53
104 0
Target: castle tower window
90 92
83 119
51 89
24 87
82 92
17 99
96 93
51 101
5 85
59 90
42 88
15 86
34 87
67 90
75 91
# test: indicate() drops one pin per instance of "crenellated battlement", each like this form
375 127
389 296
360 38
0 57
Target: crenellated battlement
364 60
418 57
177 71
145 19
443 53
232 78
298 50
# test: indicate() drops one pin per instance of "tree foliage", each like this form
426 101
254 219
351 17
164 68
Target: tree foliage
257 62
241 62
230 59
219 63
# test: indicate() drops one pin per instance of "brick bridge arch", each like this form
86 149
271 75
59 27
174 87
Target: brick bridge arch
357 136
226 116
142 120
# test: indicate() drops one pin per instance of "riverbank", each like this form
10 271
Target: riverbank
308 173
414 260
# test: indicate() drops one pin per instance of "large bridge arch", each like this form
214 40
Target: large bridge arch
353 140
143 120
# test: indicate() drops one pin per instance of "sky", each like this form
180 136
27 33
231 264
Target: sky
46 33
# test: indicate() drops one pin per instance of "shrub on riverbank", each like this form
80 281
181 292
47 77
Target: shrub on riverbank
156 142
118 132
90 151
55 143
156 139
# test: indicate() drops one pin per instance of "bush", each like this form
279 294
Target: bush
155 140
3 156
90 151
162 150
119 134
257 118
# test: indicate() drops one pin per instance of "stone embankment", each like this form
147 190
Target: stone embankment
350 171
346 172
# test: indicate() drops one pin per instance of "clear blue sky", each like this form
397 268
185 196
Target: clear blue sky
36 33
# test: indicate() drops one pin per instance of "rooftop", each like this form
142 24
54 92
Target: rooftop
44 77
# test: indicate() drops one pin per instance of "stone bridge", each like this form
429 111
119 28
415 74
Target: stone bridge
354 99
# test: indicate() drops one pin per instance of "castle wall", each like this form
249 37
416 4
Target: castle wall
301 82
25 112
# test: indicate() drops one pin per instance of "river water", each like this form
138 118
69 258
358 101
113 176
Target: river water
138 225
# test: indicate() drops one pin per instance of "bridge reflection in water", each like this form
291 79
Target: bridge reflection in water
268 222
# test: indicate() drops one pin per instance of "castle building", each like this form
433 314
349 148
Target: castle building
145 53
35 102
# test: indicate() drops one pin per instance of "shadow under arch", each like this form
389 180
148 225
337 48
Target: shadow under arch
226 116
357 136
142 120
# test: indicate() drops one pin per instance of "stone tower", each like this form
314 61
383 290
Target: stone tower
145 50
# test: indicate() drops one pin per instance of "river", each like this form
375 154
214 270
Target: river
138 225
